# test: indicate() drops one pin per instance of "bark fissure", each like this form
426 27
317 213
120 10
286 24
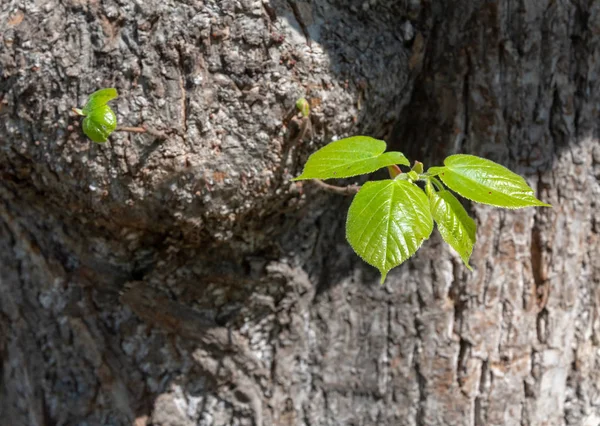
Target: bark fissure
421 412
480 408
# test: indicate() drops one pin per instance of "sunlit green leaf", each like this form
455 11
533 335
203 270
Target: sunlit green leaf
387 223
350 157
99 124
434 171
99 98
454 224
486 182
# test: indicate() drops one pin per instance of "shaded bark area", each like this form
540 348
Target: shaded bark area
186 281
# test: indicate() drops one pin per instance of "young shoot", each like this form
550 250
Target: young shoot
100 121
388 220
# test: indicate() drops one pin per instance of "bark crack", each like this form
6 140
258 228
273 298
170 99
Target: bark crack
420 418
422 387
465 99
480 408
464 354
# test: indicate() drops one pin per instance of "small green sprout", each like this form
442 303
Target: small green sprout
388 220
100 121
303 106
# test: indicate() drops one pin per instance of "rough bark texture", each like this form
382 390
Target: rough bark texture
186 281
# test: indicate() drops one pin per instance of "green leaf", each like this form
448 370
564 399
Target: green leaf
100 123
434 171
98 99
350 157
387 222
486 182
454 223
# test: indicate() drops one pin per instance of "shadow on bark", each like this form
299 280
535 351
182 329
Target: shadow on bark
187 282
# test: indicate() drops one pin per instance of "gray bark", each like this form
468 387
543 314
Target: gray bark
186 281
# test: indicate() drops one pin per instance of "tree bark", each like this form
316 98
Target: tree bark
178 277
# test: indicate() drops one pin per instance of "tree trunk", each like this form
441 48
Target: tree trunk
184 280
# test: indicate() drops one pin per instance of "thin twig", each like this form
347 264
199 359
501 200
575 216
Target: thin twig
152 132
131 129
342 190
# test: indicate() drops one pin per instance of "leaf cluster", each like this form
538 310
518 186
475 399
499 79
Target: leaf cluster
388 220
